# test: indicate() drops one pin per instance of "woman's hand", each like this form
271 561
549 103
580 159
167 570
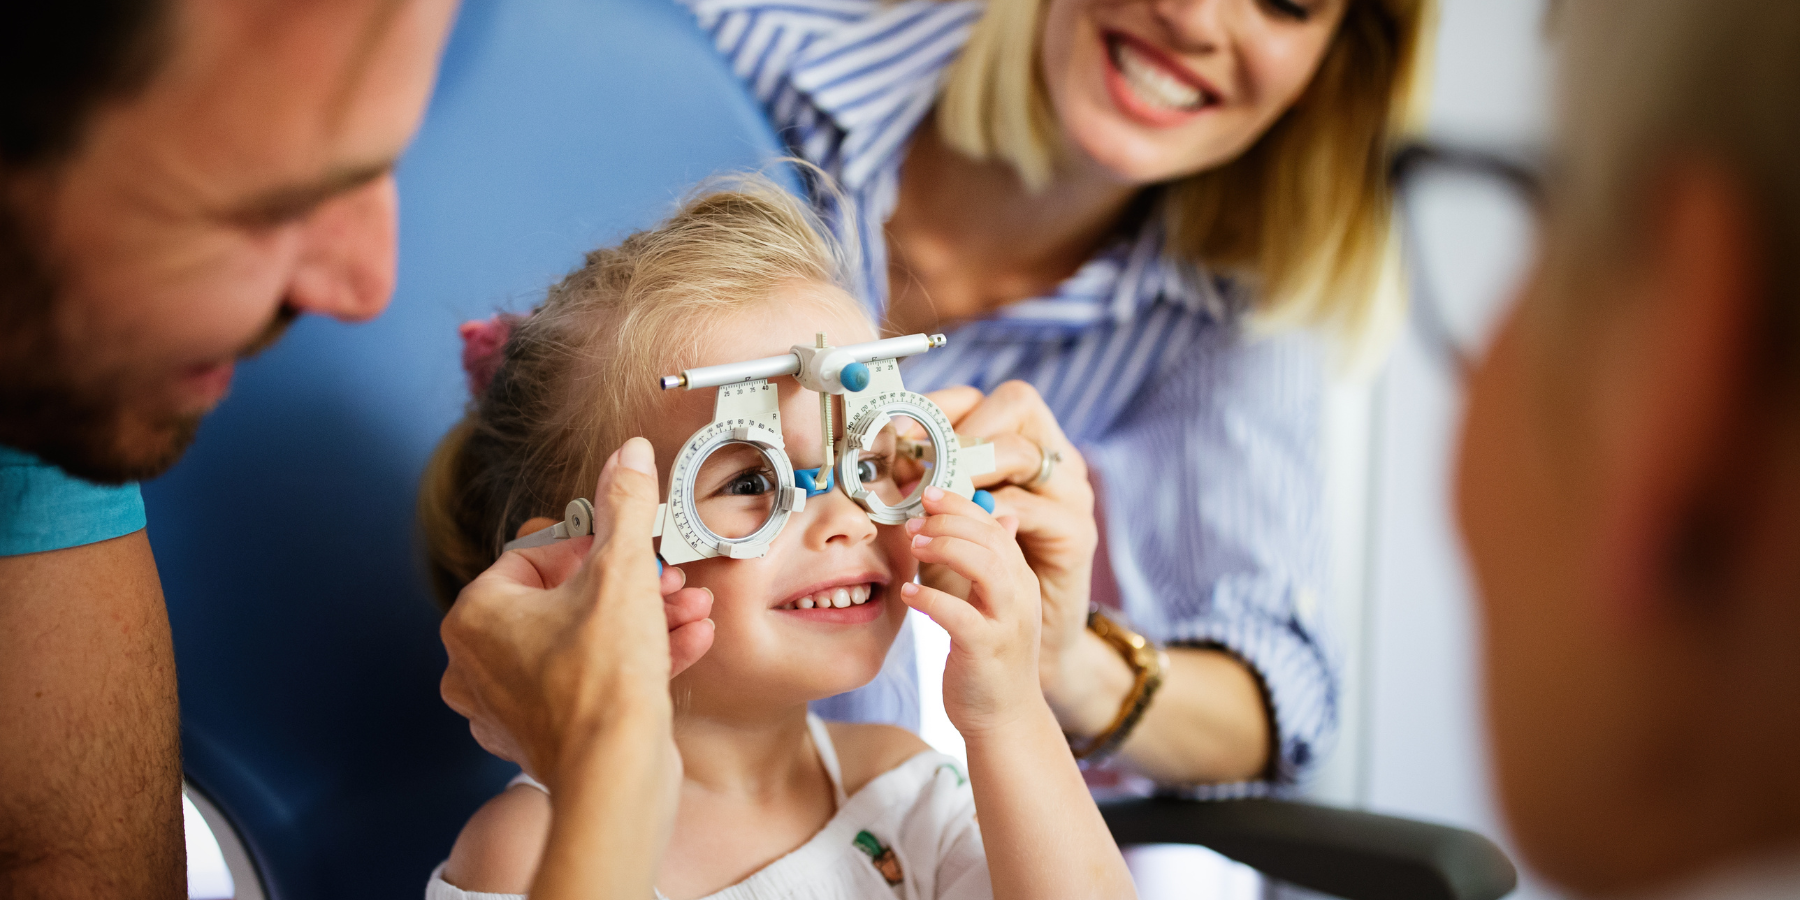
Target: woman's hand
554 645
1056 527
988 678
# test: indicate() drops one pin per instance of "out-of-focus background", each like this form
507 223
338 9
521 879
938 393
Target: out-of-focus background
1413 737
1411 742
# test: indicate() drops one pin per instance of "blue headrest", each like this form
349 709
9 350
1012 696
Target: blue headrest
305 636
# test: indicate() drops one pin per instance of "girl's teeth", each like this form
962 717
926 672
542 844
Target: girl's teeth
859 594
1150 82
840 598
805 603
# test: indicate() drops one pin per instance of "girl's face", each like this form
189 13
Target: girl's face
768 649
1154 90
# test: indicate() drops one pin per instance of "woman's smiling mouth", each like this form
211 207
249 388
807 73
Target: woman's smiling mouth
1150 87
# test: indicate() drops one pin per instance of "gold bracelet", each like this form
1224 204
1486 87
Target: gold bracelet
1148 662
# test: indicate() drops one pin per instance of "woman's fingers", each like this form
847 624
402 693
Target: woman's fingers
1013 407
1048 520
956 402
1018 459
953 613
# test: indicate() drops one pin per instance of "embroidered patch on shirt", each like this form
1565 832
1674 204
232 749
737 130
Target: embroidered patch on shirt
883 857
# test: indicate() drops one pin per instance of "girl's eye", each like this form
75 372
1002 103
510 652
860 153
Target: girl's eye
871 468
750 483
1289 9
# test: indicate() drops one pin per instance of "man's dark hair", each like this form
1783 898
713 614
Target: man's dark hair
60 60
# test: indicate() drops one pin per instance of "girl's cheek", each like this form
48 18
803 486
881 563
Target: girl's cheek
901 562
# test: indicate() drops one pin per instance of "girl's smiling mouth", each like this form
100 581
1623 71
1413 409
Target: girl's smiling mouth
845 601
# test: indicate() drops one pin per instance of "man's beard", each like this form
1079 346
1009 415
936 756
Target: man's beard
86 428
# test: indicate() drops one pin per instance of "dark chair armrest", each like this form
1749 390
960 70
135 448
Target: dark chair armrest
1342 852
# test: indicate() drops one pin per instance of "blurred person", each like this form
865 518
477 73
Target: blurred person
1630 473
1116 202
179 179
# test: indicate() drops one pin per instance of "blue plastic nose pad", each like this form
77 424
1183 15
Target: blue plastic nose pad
659 565
808 480
984 500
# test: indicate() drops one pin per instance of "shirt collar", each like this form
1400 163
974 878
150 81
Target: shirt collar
878 77
1124 280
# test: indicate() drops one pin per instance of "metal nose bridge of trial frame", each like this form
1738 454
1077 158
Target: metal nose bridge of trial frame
747 411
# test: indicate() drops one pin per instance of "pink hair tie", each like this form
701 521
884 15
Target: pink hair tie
482 346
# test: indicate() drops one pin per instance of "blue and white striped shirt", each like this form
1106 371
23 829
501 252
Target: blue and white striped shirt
1205 441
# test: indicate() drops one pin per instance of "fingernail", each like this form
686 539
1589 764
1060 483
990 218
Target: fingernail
934 493
638 456
921 540
908 589
913 525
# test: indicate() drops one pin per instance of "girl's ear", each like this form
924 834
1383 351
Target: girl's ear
534 525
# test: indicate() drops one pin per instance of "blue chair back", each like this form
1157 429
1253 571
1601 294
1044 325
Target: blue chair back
305 635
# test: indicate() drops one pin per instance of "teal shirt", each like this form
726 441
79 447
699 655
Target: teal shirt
43 508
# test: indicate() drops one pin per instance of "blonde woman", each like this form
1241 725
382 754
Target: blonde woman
1116 202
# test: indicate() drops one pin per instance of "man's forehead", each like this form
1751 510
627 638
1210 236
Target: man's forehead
262 103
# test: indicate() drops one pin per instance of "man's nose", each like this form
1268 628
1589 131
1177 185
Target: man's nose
347 257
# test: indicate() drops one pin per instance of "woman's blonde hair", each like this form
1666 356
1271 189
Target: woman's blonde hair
577 375
1304 214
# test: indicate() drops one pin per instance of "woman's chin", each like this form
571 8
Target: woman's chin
1130 153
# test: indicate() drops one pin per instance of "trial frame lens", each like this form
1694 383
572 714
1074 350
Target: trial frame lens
736 489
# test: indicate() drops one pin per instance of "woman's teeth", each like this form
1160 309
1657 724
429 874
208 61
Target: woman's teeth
854 595
1151 83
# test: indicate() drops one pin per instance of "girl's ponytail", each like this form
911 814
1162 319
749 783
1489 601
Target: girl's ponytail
456 547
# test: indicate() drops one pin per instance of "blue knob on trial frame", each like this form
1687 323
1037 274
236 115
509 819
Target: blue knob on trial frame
854 377
984 500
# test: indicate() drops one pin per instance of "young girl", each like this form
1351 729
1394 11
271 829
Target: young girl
774 802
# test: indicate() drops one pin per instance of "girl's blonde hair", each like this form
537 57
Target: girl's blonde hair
577 375
1304 214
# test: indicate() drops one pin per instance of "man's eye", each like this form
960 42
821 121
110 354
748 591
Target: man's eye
1289 9
751 483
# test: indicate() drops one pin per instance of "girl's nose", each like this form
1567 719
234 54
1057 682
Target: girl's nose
834 517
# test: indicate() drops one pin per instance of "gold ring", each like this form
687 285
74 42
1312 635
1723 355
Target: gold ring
1046 468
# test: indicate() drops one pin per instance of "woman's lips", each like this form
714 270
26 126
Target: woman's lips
1151 88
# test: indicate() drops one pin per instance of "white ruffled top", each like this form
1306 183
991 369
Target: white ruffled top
909 833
